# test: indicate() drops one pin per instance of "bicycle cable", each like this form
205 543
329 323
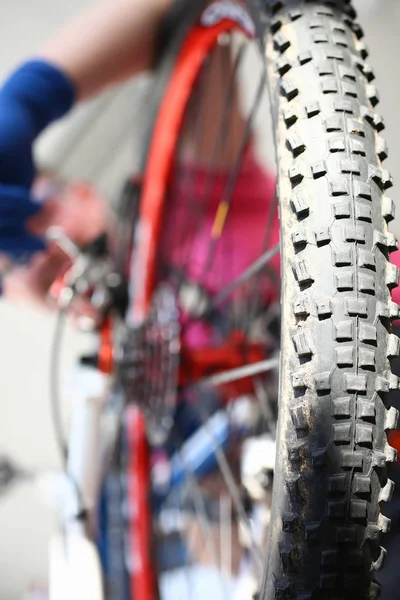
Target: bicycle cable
55 404
55 401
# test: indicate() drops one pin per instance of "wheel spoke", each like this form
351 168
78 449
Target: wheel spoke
196 131
257 282
200 206
232 487
265 404
245 276
237 374
226 534
234 173
226 291
194 490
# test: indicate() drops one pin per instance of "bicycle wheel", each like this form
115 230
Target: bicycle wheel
206 303
336 339
205 275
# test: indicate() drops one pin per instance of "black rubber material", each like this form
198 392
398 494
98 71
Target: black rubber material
180 15
336 338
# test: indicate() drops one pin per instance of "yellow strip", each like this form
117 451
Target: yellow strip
220 220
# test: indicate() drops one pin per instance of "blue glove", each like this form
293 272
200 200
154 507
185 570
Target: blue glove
33 97
16 206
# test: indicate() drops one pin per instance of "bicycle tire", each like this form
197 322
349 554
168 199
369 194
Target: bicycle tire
337 343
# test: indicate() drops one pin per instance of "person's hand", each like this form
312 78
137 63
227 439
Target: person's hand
82 215
17 207
34 96
16 176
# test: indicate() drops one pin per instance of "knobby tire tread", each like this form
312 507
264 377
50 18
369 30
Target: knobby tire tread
336 379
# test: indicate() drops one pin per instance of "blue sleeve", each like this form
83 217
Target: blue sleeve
35 95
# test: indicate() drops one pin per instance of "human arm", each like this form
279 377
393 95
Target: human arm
107 43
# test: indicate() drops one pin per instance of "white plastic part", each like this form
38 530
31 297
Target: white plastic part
74 563
85 444
258 457
244 412
246 586
55 489
75 570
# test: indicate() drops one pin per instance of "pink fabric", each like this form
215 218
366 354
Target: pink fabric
395 259
191 209
188 231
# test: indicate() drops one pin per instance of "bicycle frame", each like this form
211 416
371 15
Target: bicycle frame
75 570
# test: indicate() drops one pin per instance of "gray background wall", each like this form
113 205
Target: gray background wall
25 430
